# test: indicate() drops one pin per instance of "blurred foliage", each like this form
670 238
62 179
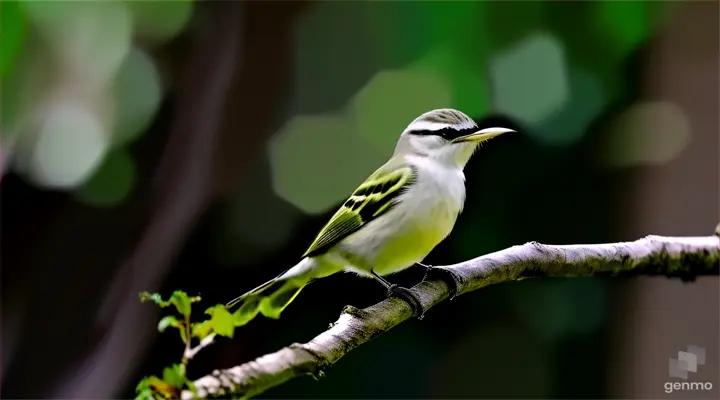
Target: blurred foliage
111 183
60 131
536 61
14 26
158 21
361 72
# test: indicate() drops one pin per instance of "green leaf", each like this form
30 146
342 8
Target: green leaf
160 386
221 320
200 330
149 386
179 299
242 316
145 394
175 375
153 297
169 321
182 302
143 384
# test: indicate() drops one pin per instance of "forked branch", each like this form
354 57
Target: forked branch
673 257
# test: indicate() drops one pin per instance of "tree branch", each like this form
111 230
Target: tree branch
673 257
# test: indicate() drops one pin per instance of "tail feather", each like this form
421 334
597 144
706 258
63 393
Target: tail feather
272 297
269 299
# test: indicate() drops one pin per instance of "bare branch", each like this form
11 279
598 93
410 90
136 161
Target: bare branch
673 257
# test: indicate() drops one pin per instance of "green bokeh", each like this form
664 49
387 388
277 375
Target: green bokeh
510 21
318 160
391 100
137 94
589 304
545 306
626 23
10 99
329 69
494 362
467 80
158 21
404 31
601 36
530 79
91 36
70 145
569 125
554 308
111 183
13 26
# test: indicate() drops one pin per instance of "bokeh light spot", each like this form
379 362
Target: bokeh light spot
71 143
317 161
530 79
555 308
469 87
112 181
137 94
330 68
588 296
649 133
158 21
391 100
626 22
489 364
90 38
253 216
569 125
507 22
545 306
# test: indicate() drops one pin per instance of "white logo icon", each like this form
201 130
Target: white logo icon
687 361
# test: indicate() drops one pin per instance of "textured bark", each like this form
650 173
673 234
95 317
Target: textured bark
673 257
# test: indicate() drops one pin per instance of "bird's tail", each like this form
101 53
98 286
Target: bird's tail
271 298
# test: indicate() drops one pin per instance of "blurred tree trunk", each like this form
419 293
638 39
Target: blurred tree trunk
655 318
86 336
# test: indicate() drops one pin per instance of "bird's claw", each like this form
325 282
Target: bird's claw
409 297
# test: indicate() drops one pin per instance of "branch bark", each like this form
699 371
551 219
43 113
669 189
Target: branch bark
673 257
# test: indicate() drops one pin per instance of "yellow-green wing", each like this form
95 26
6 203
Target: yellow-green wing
376 196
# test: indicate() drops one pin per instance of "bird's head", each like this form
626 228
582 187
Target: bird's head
445 135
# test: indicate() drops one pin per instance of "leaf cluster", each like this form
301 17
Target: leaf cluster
174 379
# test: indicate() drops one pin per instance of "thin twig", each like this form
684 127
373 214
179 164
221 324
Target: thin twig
673 257
191 352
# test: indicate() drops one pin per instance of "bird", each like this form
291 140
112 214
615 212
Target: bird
392 221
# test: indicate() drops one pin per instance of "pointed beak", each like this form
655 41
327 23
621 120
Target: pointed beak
482 135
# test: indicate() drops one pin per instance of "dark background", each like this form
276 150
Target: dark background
232 130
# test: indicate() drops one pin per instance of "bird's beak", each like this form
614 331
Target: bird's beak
482 135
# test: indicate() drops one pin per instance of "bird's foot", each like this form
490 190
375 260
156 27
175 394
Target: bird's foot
409 297
447 275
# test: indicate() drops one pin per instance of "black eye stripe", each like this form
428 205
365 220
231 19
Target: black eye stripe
446 133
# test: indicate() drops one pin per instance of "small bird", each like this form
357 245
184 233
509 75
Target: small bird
393 220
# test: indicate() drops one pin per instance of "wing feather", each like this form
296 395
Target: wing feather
376 196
